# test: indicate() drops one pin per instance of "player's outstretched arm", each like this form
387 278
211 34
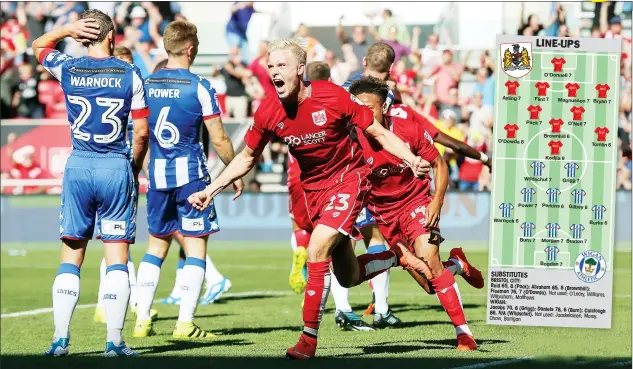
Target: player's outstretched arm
395 146
224 147
237 168
81 30
440 176
462 148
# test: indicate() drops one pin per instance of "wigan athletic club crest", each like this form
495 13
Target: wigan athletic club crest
516 59
590 266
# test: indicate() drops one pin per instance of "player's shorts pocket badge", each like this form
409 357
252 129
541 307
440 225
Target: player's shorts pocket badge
113 227
192 224
516 58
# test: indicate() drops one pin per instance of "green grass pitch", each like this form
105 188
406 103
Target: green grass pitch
261 318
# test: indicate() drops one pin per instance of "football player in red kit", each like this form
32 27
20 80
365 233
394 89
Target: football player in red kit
312 118
405 210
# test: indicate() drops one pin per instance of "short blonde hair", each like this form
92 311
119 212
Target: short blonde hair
122 51
296 45
178 36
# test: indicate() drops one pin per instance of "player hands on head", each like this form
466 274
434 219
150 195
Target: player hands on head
312 117
98 175
409 214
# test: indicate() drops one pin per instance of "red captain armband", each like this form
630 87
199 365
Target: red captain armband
140 114
212 116
43 54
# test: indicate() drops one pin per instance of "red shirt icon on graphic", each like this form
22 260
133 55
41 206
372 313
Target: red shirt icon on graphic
572 88
602 90
512 87
577 111
511 130
534 111
602 133
556 124
558 64
542 88
555 146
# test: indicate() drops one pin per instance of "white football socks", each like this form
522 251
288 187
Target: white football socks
115 298
381 292
340 295
132 278
293 241
211 274
146 284
191 285
102 273
65 296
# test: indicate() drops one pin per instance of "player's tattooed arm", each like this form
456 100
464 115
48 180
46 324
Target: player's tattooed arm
460 147
81 30
395 146
440 171
237 168
224 147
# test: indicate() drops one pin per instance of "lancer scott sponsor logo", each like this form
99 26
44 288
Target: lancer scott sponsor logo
305 139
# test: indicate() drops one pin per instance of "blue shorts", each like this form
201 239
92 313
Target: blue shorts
98 184
364 219
169 211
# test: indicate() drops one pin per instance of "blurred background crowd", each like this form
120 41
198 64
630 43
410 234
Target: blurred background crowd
439 75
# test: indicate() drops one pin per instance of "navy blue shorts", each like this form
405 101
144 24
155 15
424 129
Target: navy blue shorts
98 184
169 211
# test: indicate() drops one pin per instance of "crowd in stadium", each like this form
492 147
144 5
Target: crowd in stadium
427 72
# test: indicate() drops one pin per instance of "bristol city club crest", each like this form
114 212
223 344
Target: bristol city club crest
516 59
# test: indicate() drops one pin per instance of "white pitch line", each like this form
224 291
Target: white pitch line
494 363
620 363
87 306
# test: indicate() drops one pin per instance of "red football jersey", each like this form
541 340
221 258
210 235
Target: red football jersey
577 111
511 130
558 64
556 124
405 111
555 146
534 111
316 133
512 87
294 172
602 133
542 88
572 89
393 182
602 90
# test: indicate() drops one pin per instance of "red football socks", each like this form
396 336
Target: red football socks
373 264
446 293
315 297
302 237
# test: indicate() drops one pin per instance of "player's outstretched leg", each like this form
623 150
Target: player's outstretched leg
174 296
66 294
300 240
147 281
116 297
192 279
216 283
443 282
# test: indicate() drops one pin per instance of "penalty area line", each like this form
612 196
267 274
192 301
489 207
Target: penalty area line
494 363
88 306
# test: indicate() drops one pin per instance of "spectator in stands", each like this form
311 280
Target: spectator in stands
485 85
401 49
385 30
532 27
24 166
470 170
259 68
25 100
341 70
315 50
235 74
558 19
448 125
33 16
241 13
479 116
358 41
447 77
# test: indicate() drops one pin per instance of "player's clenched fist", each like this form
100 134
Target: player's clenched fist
200 200
420 167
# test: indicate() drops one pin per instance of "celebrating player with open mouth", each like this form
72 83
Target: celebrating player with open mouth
402 204
313 119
